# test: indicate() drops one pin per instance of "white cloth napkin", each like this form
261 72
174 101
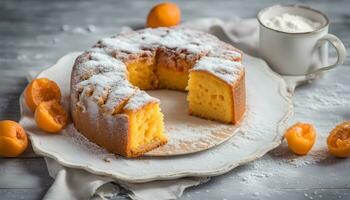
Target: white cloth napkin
79 184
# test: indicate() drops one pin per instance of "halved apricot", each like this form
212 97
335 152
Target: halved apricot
50 116
300 137
39 90
13 139
338 141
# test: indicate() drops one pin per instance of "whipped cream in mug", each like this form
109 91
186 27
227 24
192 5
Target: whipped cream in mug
291 23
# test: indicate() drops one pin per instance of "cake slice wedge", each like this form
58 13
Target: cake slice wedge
217 90
146 126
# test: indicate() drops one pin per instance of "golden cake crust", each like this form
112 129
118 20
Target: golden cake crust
239 98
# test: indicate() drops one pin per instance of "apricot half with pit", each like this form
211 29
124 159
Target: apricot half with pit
300 138
13 139
40 90
338 141
50 116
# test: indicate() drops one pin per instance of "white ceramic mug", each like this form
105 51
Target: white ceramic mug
294 54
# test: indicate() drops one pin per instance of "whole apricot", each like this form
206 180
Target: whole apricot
164 15
13 139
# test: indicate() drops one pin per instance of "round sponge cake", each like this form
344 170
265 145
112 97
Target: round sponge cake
109 106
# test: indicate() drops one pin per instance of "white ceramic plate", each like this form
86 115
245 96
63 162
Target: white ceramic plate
186 134
269 106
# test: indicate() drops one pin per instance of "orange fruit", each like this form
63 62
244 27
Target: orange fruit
13 139
39 90
300 138
164 15
50 116
338 141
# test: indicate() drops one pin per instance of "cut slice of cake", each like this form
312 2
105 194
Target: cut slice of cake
146 126
217 90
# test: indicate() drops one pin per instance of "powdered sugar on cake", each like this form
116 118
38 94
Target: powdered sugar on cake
138 41
225 69
139 99
118 95
102 72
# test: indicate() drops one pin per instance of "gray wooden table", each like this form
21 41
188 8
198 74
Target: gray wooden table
35 33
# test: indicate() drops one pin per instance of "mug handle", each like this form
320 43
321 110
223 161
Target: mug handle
341 53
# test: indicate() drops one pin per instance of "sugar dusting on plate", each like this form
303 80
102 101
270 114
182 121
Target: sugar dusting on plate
323 107
187 134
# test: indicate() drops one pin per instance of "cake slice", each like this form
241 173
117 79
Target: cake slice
146 126
217 90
